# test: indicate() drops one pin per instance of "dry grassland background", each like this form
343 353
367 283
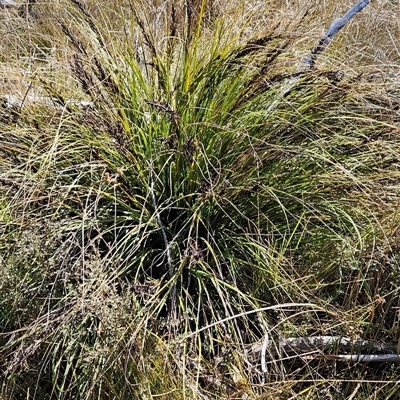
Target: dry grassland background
173 187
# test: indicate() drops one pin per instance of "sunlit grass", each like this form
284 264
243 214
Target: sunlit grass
205 179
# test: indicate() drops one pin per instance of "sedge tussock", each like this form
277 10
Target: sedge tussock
181 185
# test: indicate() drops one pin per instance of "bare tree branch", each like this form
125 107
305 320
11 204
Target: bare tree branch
8 4
336 26
313 347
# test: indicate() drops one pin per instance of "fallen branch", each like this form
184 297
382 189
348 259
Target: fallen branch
394 358
9 101
304 347
308 62
8 4
335 27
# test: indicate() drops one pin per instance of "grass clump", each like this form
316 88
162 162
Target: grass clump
184 177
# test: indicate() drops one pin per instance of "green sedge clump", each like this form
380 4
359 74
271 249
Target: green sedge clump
185 189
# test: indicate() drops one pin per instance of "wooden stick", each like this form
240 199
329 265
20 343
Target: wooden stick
312 347
394 358
335 27
8 4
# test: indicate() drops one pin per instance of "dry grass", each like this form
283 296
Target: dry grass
146 242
